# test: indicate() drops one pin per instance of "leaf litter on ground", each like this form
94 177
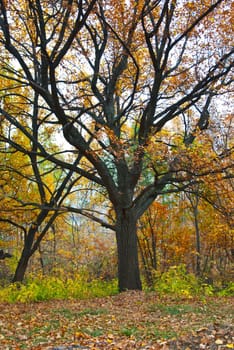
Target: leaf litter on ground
130 320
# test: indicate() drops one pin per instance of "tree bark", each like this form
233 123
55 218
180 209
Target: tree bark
128 264
198 241
31 245
25 256
22 266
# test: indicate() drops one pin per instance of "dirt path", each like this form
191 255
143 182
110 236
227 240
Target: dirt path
131 320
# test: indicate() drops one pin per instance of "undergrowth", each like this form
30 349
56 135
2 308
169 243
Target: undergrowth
176 281
50 287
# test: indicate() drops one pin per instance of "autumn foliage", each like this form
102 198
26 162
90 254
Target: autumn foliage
116 112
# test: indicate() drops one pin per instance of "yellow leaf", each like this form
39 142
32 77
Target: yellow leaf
79 335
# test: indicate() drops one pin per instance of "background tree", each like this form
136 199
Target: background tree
32 189
111 76
168 237
28 195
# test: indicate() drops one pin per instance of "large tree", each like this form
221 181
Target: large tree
112 75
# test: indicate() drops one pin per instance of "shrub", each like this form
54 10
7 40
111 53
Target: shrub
227 291
178 282
46 288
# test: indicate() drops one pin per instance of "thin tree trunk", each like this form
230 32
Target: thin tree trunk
41 259
30 246
128 264
147 268
198 242
25 255
194 200
21 267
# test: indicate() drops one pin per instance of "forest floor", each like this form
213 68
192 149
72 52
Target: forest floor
130 320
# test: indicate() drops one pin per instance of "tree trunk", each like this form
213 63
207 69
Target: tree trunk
147 268
31 245
128 264
22 266
25 255
198 242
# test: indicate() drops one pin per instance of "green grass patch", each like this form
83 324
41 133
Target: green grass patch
50 326
174 310
71 315
93 332
129 331
93 312
66 313
164 333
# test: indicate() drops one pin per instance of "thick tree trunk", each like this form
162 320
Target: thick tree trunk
128 264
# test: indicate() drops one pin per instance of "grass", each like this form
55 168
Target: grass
174 310
93 312
129 332
92 332
164 334
71 315
67 313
